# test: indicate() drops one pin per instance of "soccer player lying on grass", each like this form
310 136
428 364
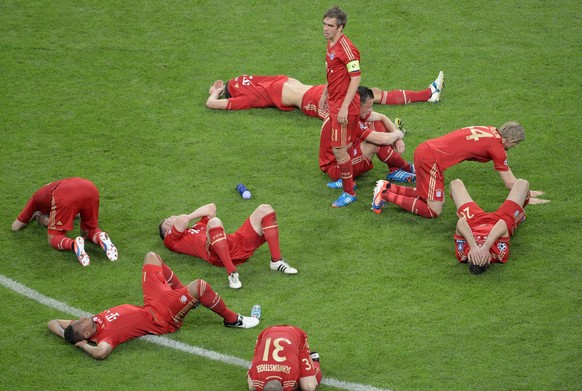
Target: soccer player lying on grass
482 238
282 361
285 93
166 302
433 157
377 136
55 206
207 240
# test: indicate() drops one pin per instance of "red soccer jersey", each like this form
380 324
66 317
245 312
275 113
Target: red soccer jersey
122 323
193 241
475 143
281 353
248 91
342 62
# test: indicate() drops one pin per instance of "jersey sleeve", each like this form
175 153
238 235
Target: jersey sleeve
499 157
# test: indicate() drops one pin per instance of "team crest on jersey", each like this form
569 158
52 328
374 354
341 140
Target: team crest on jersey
439 193
460 245
331 55
502 247
505 162
183 299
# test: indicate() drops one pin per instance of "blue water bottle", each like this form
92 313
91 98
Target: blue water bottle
244 192
256 311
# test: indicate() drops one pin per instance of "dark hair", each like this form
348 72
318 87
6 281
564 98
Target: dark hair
72 336
273 385
339 15
160 229
476 269
365 94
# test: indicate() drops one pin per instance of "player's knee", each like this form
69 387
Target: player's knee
194 288
455 184
214 222
522 185
151 258
265 209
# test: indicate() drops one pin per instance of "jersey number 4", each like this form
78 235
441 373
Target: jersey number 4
477 133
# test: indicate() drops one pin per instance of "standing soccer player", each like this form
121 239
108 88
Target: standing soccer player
342 63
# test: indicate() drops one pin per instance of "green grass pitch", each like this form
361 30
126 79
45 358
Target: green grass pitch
114 91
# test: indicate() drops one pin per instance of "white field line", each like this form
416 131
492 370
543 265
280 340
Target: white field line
163 341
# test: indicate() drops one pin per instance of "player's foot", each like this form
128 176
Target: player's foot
436 87
79 249
243 322
314 356
339 184
108 248
378 200
412 169
343 200
282 266
401 176
233 281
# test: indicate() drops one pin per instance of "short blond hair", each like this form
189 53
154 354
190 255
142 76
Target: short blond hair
512 131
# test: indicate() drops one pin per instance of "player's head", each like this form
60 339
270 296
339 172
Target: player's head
273 385
366 101
79 330
165 226
476 269
334 22
512 133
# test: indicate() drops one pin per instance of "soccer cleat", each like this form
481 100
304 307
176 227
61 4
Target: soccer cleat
243 322
282 266
343 200
378 200
108 248
233 281
339 184
79 248
436 88
401 176
314 356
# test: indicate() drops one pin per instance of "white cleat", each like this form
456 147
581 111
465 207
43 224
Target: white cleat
282 266
436 88
108 248
243 322
233 281
79 248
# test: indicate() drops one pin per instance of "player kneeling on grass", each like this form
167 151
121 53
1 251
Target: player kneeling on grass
166 302
207 240
55 206
482 238
282 361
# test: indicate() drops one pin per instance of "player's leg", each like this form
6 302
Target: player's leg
264 222
400 97
218 241
520 192
172 280
459 193
203 291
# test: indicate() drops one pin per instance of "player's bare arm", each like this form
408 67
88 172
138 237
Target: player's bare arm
323 99
481 258
98 352
383 138
213 101
58 326
183 221
342 116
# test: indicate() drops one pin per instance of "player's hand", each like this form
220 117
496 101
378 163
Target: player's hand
217 87
399 146
535 193
538 201
479 256
81 343
342 116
